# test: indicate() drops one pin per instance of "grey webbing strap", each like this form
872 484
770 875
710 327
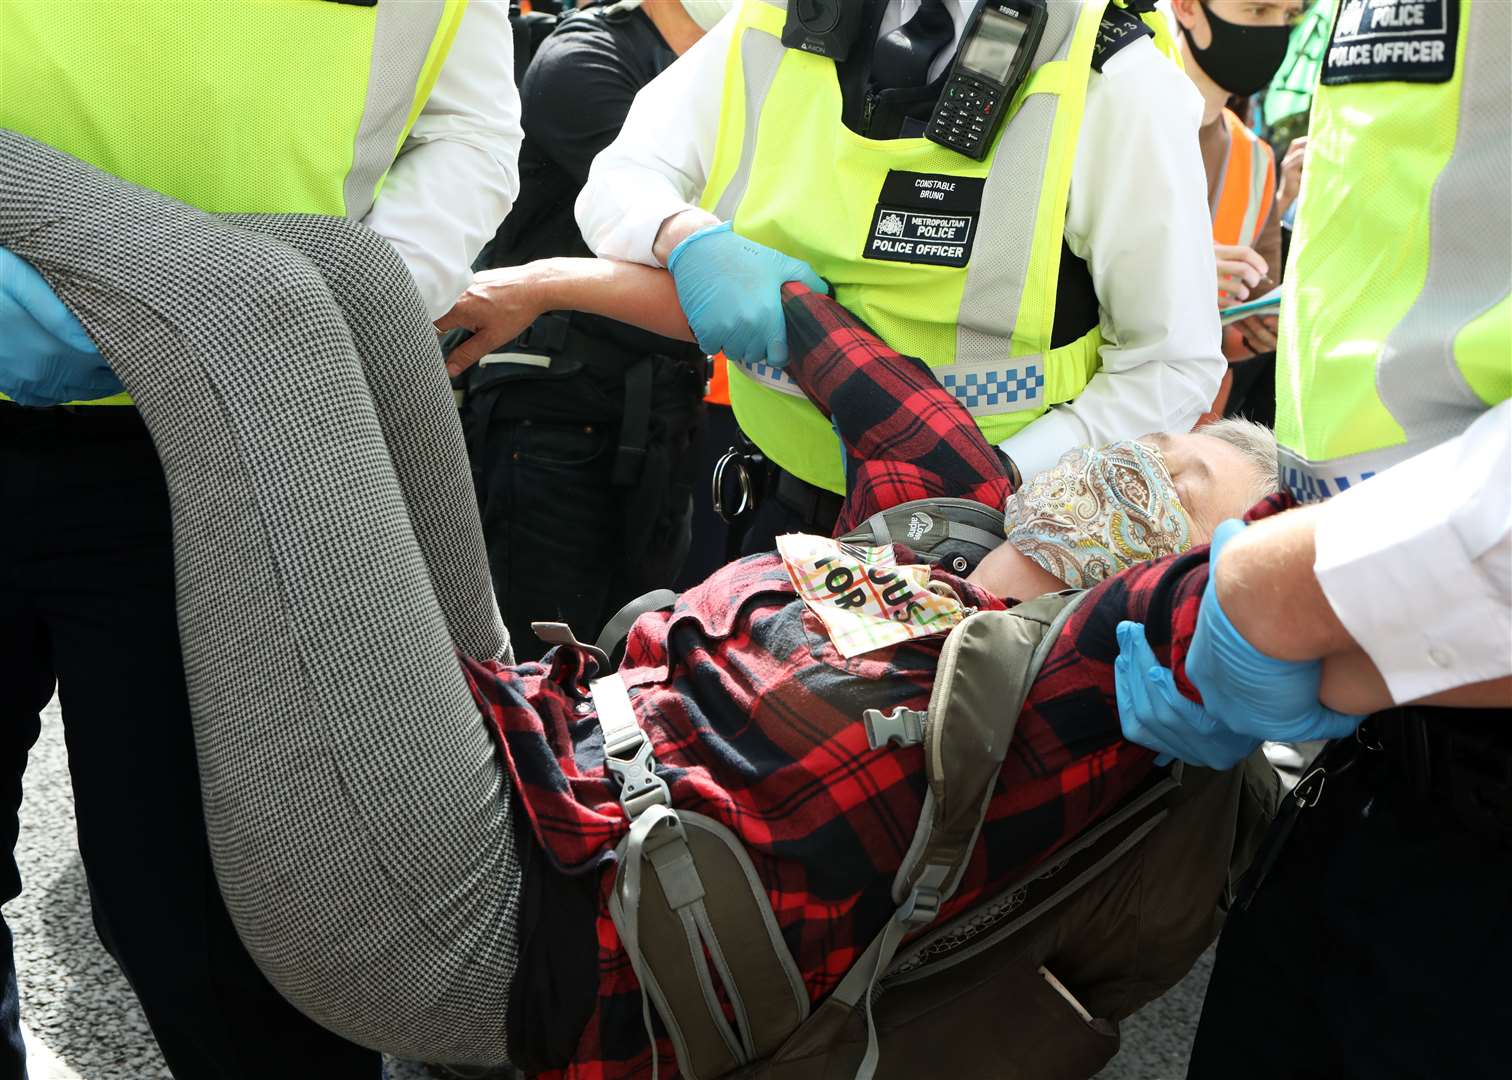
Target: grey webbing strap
640 828
972 535
934 864
860 982
627 751
618 628
657 836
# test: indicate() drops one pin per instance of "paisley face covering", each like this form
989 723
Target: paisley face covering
1097 512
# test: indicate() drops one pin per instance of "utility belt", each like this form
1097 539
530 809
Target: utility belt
72 423
1451 765
1456 763
745 477
555 372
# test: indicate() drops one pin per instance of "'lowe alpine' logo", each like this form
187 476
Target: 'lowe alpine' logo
919 525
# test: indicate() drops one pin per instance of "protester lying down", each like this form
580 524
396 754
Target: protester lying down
448 879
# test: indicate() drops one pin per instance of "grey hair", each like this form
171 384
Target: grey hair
1256 441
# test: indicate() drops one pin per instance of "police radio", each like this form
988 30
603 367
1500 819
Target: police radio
994 56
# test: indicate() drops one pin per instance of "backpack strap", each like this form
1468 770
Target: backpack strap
987 666
617 629
699 930
958 533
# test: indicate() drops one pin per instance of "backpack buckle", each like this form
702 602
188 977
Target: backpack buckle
921 907
902 726
640 787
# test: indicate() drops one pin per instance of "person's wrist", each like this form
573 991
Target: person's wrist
549 287
677 228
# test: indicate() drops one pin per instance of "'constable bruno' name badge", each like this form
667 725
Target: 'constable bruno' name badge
1393 41
925 218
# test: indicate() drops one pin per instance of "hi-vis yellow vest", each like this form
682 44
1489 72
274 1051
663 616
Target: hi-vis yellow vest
1396 328
948 259
253 106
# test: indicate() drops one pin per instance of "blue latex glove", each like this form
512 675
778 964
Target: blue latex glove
731 292
1154 714
1247 691
1247 696
46 358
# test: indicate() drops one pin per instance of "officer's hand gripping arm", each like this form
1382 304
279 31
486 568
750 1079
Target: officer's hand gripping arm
731 292
1247 696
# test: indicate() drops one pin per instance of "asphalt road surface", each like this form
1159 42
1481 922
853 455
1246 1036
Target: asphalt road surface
84 1024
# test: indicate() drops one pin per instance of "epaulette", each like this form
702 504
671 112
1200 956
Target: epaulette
1119 29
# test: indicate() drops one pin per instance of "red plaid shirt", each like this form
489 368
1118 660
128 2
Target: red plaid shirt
756 722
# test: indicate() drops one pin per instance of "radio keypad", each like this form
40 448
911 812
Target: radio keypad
965 113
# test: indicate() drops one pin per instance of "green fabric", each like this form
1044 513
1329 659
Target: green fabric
1291 90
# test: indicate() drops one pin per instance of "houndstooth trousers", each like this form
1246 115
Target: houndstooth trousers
329 564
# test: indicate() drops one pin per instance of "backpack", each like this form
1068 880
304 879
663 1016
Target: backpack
955 533
1031 983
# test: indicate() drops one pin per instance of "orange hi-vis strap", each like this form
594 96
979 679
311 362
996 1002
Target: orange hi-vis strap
1248 187
719 382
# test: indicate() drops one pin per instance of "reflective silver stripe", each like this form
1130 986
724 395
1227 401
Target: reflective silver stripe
1469 259
1005 234
1260 177
401 42
760 54
989 388
1314 481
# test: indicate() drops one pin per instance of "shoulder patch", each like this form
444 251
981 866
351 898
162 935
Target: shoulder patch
1119 29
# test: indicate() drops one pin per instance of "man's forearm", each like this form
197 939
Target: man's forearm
1268 590
626 292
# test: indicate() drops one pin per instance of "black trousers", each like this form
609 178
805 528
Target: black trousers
1379 946
566 543
87 605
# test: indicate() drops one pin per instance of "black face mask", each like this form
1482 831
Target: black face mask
1241 59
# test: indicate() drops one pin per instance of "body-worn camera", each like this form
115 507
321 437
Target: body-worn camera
824 27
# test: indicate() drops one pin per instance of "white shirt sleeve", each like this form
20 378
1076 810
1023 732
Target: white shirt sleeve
457 173
1138 214
1417 562
659 163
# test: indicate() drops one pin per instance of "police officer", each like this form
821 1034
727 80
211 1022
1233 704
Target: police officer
235 108
1070 301
580 430
1374 939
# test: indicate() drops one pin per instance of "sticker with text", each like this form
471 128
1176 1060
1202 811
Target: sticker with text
864 598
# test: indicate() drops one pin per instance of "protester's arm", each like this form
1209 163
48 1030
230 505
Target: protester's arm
457 173
501 303
1138 215
657 167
